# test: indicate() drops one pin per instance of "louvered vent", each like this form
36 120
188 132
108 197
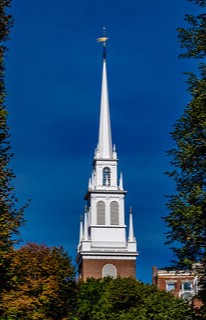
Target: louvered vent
100 213
114 206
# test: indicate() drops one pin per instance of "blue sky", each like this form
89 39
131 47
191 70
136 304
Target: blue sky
54 70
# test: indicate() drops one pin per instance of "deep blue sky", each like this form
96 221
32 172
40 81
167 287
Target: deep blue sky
54 70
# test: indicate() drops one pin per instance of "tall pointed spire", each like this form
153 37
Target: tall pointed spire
105 136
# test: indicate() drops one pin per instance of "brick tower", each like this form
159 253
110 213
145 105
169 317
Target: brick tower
104 248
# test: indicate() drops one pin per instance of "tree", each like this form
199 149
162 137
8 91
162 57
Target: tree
10 217
128 299
193 38
43 285
187 207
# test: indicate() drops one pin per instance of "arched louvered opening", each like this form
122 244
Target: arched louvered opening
114 211
109 270
106 177
100 212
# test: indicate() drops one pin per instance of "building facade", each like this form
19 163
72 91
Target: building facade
182 284
104 247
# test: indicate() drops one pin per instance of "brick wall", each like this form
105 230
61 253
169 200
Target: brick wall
93 268
163 277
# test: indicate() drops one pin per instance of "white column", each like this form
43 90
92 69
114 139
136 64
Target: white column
85 224
121 181
81 234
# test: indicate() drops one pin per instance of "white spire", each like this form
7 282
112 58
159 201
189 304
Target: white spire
105 137
131 228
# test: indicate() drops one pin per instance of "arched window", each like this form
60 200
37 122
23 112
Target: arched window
114 212
109 270
100 212
106 176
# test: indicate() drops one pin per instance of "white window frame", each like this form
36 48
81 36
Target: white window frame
106 176
170 283
187 294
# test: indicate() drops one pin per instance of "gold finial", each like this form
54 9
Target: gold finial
103 39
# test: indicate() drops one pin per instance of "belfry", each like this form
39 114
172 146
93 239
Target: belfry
105 248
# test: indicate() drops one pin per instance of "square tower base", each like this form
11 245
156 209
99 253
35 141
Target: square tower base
97 268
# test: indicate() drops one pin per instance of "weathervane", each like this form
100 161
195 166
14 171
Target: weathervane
103 39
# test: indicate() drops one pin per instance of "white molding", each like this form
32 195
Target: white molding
108 258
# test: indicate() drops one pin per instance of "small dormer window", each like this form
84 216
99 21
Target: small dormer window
106 176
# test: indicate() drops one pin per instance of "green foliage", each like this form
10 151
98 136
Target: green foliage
187 208
41 292
43 287
10 217
193 38
201 3
128 299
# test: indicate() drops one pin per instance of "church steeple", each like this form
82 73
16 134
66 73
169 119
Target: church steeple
103 249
